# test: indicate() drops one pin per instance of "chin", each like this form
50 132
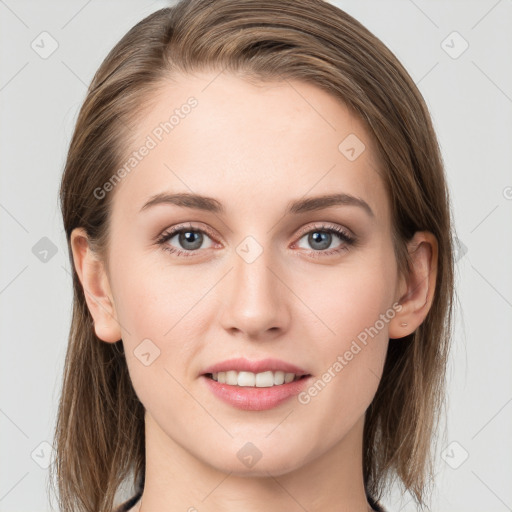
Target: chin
250 462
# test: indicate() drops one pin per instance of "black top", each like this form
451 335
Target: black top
127 505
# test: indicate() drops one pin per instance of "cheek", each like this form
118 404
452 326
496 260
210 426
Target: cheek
159 310
360 335
152 298
351 299
355 308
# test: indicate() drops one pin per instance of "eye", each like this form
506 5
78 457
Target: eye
190 239
321 238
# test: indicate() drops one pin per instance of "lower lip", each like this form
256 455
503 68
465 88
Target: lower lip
253 398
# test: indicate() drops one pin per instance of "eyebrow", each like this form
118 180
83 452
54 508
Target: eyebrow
209 204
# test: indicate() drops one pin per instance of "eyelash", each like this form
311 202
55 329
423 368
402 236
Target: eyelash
341 233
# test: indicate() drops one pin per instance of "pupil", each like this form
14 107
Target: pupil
319 237
185 239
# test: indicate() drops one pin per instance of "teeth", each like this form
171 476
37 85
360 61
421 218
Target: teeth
249 379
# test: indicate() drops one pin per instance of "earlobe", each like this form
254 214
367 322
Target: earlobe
417 290
98 295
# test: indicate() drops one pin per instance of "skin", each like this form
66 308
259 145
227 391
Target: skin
254 148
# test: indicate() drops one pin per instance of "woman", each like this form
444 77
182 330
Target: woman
259 228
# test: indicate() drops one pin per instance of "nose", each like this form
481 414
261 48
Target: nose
255 299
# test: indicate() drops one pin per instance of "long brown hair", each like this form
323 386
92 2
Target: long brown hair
99 434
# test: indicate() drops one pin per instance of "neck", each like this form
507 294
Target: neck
178 480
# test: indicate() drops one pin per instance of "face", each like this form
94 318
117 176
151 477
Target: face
258 271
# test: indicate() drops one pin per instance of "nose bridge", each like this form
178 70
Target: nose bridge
256 302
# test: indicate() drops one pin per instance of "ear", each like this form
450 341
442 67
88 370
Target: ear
415 292
98 295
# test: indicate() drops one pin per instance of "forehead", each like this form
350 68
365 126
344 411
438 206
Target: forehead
222 136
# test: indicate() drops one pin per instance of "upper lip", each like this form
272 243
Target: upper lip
241 364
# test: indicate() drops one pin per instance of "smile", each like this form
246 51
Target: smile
249 379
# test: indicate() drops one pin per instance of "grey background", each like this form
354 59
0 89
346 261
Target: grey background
470 98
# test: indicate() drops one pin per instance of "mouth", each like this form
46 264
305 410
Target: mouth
255 385
264 379
250 391
240 371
